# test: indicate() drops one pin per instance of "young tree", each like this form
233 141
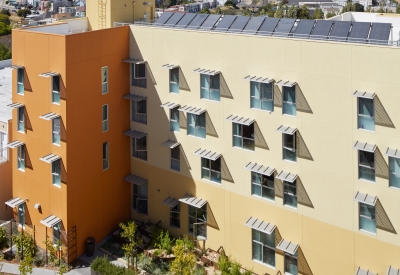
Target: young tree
330 14
318 13
279 12
358 7
23 13
184 261
205 11
218 10
230 3
129 231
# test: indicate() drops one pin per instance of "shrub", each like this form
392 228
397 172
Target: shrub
23 13
153 266
163 241
5 19
188 243
5 11
3 233
4 29
25 245
104 267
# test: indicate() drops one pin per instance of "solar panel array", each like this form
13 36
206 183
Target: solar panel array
359 32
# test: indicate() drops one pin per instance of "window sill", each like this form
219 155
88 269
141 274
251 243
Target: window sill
56 144
138 122
369 181
366 130
140 213
219 183
176 227
57 186
22 132
55 103
289 115
21 226
264 264
365 231
290 207
394 187
138 86
219 101
22 170
289 160
262 110
174 170
197 137
264 199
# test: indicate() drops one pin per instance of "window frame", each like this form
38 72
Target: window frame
197 219
21 214
21 158
104 118
241 136
210 89
173 121
136 197
292 257
21 114
261 185
289 102
134 147
366 166
260 98
366 116
366 217
54 131
104 83
171 82
140 82
211 170
106 157
141 117
196 125
287 194
56 237
21 76
174 159
55 93
272 248
54 173
177 211
294 149
3 146
393 173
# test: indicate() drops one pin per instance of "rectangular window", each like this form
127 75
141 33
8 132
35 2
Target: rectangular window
139 198
175 216
196 125
21 158
56 130
3 147
367 218
264 247
290 193
209 87
289 147
139 148
105 155
104 80
174 81
291 264
262 186
174 123
21 214
366 114
176 158
243 136
262 96
366 165
56 172
20 81
104 124
138 75
139 111
198 221
57 233
211 169
21 119
55 95
289 101
394 172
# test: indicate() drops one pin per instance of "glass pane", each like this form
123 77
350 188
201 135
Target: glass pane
56 98
368 225
289 94
176 153
175 219
254 89
104 126
175 164
205 174
201 132
367 123
255 189
256 235
204 81
174 88
255 177
201 120
56 83
237 142
57 180
215 95
257 251
192 220
266 91
143 190
248 144
254 103
215 177
290 200
237 129
267 105
394 180
141 144
289 154
216 165
174 74
366 173
366 106
142 206
268 256
290 265
268 193
289 109
191 130
269 239
142 107
140 70
288 141
248 131
20 85
214 82
174 126
367 158
204 93
367 210
394 165
104 88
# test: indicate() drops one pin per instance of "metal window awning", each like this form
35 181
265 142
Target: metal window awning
17 67
136 180
134 134
361 271
192 110
260 225
288 246
286 83
364 146
50 221
171 144
261 169
392 153
205 71
258 79
135 61
364 94
170 105
207 154
169 66
240 120
287 176
50 158
171 202
14 202
365 198
286 130
49 116
392 271
15 144
49 74
15 105
193 201
134 97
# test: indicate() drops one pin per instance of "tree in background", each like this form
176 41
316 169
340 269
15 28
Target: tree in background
5 11
330 14
318 13
5 19
292 12
398 9
4 29
279 12
205 11
23 13
358 7
230 3
218 10
304 12
266 10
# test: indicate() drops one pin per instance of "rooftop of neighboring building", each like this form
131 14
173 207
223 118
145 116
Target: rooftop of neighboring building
5 90
63 27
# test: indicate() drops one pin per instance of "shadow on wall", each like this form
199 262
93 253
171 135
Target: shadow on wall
381 116
302 195
277 96
184 156
182 120
303 266
63 131
382 168
302 149
278 186
211 221
27 83
28 162
301 101
63 90
225 173
278 237
224 89
28 124
210 129
63 173
150 73
382 219
259 138
183 85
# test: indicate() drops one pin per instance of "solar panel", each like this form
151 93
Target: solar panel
321 29
340 30
239 23
225 23
253 25
210 22
186 19
284 27
174 19
380 33
268 27
197 21
304 28
359 32
163 18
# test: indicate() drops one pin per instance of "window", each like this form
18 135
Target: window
3 147
209 87
243 136
175 216
289 147
139 111
289 100
21 214
104 124
290 193
139 198
366 165
56 172
367 218
174 81
262 96
174 123
139 75
56 130
366 112
57 233
21 158
139 148
211 169
176 158
262 186
198 221
394 172
20 81
264 247
104 80
105 155
55 94
196 125
21 119
291 264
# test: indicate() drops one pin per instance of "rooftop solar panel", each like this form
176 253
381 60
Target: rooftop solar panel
239 23
304 28
380 33
253 25
163 18
210 22
340 30
284 27
225 23
359 32
197 21
321 29
186 19
174 19
268 26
